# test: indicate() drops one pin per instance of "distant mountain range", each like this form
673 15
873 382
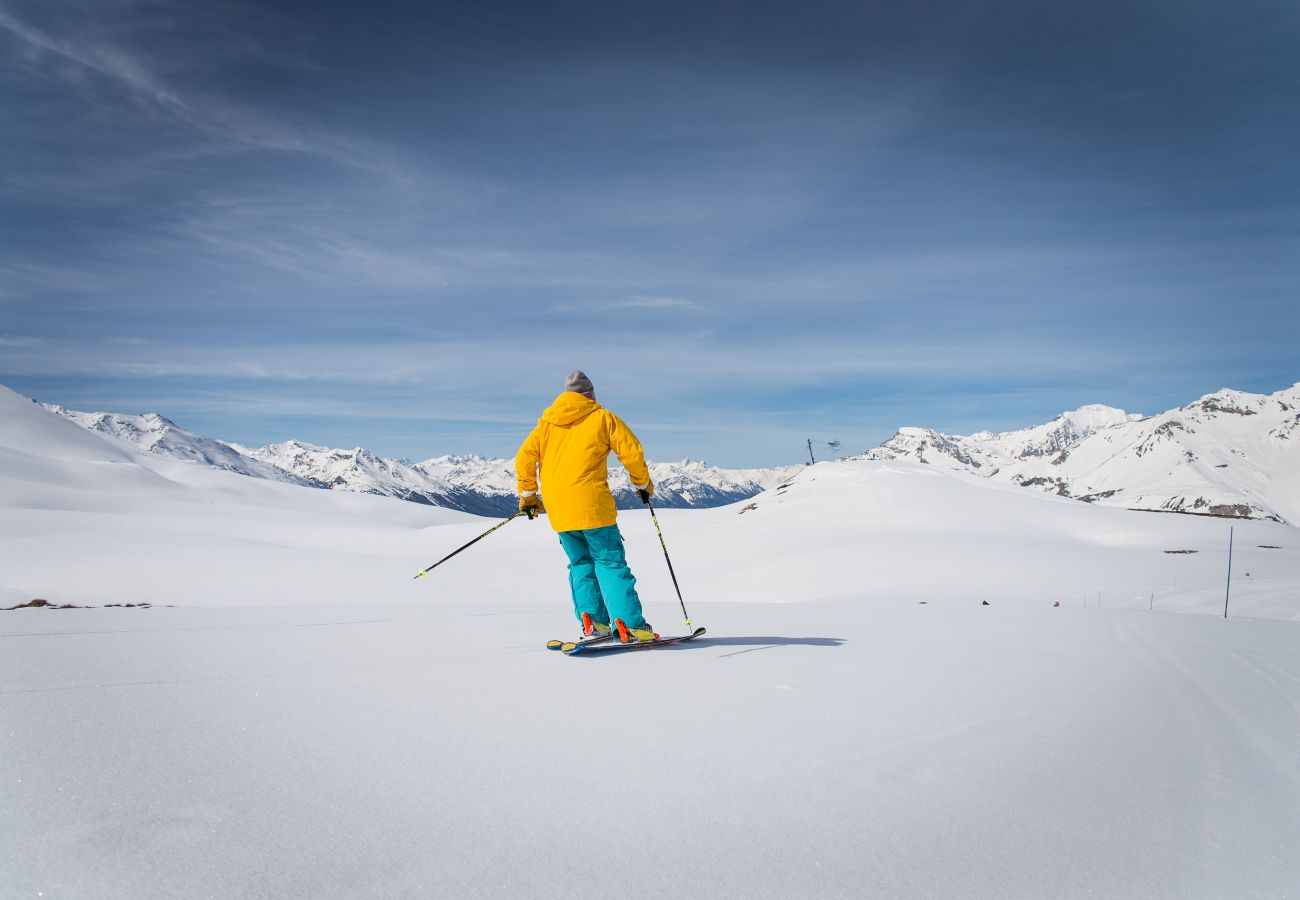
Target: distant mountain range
1227 454
471 483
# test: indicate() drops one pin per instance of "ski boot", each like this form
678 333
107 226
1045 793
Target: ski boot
637 635
592 628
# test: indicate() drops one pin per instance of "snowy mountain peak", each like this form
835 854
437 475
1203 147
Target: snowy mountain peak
160 435
282 447
1095 415
1061 434
455 459
145 430
1226 400
467 482
1229 453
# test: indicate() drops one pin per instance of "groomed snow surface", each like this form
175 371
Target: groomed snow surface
307 720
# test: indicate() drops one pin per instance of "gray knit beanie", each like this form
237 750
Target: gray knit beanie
579 382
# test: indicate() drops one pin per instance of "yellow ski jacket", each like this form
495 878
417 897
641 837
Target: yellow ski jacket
571 444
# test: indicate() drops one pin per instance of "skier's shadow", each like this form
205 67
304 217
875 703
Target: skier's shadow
762 643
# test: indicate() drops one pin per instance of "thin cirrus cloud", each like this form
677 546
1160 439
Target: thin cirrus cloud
639 302
790 362
106 61
216 121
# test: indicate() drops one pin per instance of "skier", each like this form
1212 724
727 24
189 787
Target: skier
571 446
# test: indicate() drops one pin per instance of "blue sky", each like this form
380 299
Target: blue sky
398 225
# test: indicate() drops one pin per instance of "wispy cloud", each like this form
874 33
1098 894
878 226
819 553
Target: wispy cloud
634 303
653 302
653 366
223 124
19 341
21 279
107 61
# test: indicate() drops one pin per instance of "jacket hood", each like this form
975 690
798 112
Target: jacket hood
568 408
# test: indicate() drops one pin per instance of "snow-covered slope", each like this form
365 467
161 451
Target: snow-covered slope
164 437
1227 454
86 518
139 525
314 722
29 432
909 530
360 471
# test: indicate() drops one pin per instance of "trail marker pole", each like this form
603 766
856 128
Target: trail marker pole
1228 590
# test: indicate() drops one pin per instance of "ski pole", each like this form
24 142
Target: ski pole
645 498
471 543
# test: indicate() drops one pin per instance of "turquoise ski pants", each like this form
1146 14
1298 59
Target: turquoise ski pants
599 578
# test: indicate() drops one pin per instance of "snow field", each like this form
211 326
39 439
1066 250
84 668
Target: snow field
902 532
819 749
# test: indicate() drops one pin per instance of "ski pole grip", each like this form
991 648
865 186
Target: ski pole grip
645 497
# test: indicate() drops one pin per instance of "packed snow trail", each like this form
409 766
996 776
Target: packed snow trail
826 749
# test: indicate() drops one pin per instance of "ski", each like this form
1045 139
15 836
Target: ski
584 642
606 646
